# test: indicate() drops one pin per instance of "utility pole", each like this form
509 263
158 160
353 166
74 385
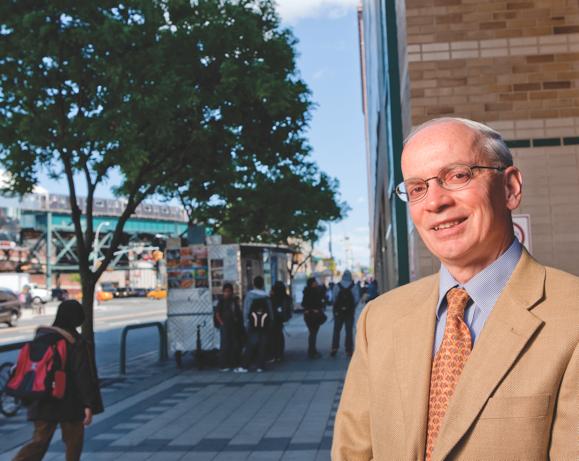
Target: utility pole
330 243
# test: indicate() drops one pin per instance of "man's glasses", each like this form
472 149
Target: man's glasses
452 177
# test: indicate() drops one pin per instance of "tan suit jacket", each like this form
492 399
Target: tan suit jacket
517 395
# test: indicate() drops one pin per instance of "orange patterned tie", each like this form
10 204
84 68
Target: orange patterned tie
448 363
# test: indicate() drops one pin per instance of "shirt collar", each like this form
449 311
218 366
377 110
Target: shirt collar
486 286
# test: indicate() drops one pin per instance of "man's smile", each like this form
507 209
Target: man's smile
448 224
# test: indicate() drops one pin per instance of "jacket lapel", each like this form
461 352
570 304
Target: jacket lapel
414 338
508 329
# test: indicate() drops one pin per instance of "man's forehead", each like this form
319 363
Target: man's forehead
439 145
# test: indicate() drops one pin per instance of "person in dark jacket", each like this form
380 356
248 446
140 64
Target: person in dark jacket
81 398
346 298
313 303
281 308
229 320
258 317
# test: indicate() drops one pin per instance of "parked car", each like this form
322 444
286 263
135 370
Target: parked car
10 307
109 287
39 295
141 292
122 292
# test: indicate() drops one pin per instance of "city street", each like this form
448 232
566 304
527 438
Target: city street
110 318
158 412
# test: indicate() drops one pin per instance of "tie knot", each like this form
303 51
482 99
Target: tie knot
457 299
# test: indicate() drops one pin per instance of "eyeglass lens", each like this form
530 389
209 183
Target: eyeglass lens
451 178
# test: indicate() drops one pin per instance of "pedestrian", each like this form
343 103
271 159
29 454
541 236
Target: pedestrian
82 396
313 302
361 289
229 320
281 308
330 294
26 297
372 290
346 298
416 387
258 318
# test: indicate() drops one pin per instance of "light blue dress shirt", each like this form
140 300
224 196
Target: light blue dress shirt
484 289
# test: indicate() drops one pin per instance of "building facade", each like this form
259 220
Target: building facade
511 64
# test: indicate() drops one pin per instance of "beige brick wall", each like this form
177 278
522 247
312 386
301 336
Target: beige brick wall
507 88
551 198
493 60
432 21
513 64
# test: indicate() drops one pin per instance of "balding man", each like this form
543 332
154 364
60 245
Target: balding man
477 362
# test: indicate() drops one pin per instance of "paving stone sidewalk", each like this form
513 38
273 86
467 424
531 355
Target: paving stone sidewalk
161 413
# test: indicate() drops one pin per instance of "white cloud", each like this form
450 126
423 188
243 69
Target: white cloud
291 11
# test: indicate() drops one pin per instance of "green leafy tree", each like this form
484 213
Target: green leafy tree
159 93
280 205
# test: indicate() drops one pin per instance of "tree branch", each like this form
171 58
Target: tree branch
75 211
89 233
188 209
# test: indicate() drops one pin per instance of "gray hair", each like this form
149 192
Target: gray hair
491 143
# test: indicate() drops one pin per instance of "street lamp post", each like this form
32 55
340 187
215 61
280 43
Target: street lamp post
96 255
96 244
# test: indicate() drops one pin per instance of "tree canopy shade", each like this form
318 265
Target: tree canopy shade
199 100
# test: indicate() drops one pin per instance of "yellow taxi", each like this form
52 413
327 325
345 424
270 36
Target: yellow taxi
104 295
158 293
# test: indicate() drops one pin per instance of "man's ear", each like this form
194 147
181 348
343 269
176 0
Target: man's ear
513 181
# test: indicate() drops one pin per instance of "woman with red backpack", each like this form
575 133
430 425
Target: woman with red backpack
81 397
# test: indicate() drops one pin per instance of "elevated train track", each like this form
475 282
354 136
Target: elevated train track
43 239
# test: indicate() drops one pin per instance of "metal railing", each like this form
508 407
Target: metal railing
12 346
163 349
162 342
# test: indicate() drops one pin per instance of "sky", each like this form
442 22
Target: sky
328 60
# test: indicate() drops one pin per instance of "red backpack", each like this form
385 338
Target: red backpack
40 371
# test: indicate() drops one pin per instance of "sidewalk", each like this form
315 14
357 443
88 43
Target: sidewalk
160 413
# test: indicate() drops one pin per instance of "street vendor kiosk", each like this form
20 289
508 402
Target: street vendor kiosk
195 278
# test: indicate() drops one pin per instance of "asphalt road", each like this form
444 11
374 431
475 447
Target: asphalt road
110 318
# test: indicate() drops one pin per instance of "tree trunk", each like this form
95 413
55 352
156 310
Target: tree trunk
88 291
88 283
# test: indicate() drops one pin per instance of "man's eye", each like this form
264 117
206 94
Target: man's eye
457 177
416 190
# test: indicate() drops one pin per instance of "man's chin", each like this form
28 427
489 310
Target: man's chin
451 252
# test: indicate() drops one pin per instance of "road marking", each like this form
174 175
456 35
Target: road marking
100 325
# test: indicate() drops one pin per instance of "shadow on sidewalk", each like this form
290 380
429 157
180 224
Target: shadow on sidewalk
159 412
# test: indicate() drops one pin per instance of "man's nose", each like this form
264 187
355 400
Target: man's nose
437 197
